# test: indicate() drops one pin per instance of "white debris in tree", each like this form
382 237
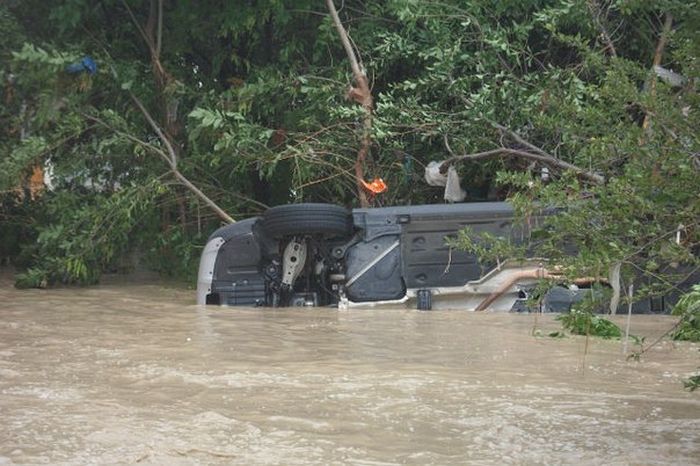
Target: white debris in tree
433 176
450 180
670 77
453 190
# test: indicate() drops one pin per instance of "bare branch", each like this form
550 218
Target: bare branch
173 163
488 154
597 14
362 95
155 53
507 152
162 78
166 158
171 150
447 146
354 63
520 140
170 158
130 137
159 34
663 39
138 26
188 184
534 153
658 54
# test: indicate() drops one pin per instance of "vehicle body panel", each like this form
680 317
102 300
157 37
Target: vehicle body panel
391 256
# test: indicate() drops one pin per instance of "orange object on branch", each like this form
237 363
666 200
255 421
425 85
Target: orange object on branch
376 186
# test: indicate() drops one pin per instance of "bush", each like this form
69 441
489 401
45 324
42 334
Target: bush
581 322
692 383
688 307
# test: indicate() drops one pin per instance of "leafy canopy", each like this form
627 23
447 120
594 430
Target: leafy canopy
252 96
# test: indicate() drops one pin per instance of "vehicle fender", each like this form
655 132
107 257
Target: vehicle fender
206 268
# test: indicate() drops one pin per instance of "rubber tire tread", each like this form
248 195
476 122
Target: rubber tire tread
328 220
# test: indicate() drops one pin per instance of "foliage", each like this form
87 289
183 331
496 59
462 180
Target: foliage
688 308
252 96
590 112
583 320
175 254
580 322
489 248
692 383
82 236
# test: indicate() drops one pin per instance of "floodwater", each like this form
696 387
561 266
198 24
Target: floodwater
127 373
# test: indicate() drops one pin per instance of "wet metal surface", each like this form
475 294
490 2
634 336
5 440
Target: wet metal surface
125 374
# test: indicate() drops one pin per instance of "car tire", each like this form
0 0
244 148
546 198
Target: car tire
327 220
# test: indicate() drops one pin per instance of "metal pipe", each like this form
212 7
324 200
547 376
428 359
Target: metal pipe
533 274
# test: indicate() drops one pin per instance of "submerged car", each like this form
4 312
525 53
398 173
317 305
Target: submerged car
326 255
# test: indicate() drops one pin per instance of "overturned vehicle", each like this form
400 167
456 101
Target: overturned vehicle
325 255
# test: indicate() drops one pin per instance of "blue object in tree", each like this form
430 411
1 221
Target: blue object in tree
86 64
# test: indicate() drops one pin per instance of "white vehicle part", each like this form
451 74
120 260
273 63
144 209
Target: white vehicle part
206 269
293 261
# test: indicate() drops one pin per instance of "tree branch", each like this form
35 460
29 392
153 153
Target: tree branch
663 39
594 8
354 62
537 155
152 33
170 158
167 160
658 54
159 33
130 137
362 95
138 25
517 138
153 50
172 155
173 163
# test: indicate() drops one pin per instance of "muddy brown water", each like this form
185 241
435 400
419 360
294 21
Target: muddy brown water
127 373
